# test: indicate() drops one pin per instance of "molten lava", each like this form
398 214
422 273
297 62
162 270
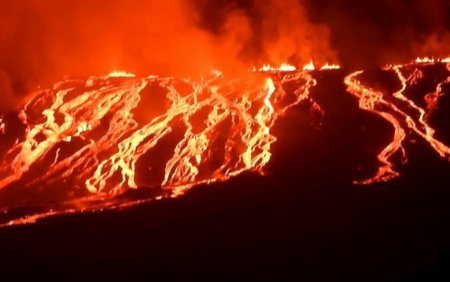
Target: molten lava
395 111
94 134
87 143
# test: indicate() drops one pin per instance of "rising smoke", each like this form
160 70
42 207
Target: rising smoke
44 40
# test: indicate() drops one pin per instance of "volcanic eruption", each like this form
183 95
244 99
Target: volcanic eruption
205 115
231 139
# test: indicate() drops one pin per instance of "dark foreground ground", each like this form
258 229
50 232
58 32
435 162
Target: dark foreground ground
303 221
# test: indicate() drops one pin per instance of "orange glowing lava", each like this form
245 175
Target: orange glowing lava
403 123
89 142
93 134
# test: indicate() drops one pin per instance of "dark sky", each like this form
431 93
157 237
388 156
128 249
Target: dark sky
44 40
363 33
368 32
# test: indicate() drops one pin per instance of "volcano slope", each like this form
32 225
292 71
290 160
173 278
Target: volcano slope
304 219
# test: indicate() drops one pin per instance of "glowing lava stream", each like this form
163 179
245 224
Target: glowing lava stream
89 142
375 102
224 124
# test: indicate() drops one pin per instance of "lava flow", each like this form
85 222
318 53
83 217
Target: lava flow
395 107
87 142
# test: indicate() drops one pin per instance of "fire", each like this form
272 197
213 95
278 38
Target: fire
281 68
309 67
264 68
287 67
330 67
290 68
2 126
121 74
429 60
425 60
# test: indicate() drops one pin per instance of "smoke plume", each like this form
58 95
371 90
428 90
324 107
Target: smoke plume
44 40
